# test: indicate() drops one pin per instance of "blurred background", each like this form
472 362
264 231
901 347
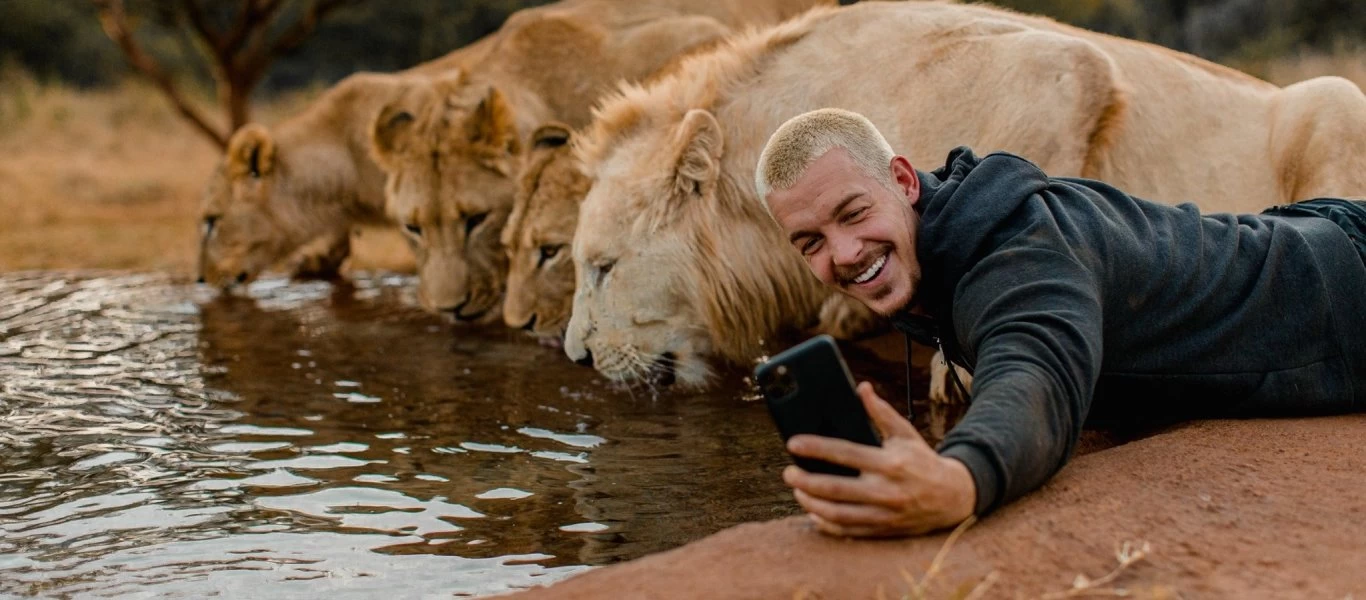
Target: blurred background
113 113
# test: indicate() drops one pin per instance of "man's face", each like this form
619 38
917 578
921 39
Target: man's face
856 233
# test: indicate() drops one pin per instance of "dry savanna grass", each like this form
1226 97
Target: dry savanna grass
112 179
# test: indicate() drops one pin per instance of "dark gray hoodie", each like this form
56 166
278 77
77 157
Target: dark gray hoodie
1072 302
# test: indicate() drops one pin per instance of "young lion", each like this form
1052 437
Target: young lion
293 193
451 146
676 260
540 282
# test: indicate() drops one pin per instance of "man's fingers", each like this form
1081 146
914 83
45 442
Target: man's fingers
864 490
889 422
845 514
841 452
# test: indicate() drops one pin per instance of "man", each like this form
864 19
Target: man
1068 300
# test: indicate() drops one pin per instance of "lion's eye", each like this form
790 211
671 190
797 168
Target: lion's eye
601 269
413 229
474 221
548 252
210 221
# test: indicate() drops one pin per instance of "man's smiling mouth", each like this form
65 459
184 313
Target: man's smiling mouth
872 271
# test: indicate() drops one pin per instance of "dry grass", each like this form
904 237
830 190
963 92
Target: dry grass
101 179
111 179
1288 70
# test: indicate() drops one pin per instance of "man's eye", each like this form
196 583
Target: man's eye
413 229
548 252
810 246
853 214
474 221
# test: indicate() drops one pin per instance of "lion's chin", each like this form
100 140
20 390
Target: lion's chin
671 370
549 340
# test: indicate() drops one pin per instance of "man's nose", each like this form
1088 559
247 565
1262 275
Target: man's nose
844 250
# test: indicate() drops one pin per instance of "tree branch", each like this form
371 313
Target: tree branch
252 63
296 35
255 18
114 21
200 23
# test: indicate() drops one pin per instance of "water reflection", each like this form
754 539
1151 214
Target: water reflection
311 439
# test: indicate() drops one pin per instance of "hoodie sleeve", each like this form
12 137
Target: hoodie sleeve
1031 313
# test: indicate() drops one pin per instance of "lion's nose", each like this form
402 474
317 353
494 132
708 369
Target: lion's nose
587 359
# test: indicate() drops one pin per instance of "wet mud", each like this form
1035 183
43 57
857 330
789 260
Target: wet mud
306 440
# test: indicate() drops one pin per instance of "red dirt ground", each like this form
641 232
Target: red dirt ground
1231 509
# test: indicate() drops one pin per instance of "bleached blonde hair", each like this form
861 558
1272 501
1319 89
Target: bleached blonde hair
808 136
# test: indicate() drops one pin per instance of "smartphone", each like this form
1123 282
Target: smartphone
808 389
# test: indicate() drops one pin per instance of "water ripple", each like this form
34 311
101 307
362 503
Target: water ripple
306 440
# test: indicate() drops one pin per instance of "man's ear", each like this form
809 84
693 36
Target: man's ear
388 132
906 179
699 158
251 152
492 131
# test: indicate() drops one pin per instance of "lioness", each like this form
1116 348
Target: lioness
676 259
451 146
294 192
538 233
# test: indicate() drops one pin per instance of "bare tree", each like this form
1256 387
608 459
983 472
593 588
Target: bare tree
240 51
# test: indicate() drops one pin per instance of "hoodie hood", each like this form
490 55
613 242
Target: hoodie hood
962 203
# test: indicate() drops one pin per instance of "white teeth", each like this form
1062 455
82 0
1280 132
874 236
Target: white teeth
872 271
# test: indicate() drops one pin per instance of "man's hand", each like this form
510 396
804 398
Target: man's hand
903 488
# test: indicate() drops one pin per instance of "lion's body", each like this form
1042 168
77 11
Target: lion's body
451 145
673 214
319 182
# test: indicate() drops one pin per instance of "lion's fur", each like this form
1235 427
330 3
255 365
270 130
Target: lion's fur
544 215
448 157
709 273
317 179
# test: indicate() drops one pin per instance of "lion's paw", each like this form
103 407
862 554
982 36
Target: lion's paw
942 388
321 261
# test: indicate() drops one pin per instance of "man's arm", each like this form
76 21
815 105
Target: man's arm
1033 316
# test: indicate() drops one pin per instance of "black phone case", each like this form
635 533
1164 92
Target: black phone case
808 389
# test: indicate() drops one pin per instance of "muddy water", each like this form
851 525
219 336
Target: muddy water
307 439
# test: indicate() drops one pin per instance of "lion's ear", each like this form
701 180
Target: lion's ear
251 152
388 132
550 135
699 158
492 128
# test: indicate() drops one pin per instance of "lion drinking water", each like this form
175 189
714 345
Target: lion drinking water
293 192
451 146
676 259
